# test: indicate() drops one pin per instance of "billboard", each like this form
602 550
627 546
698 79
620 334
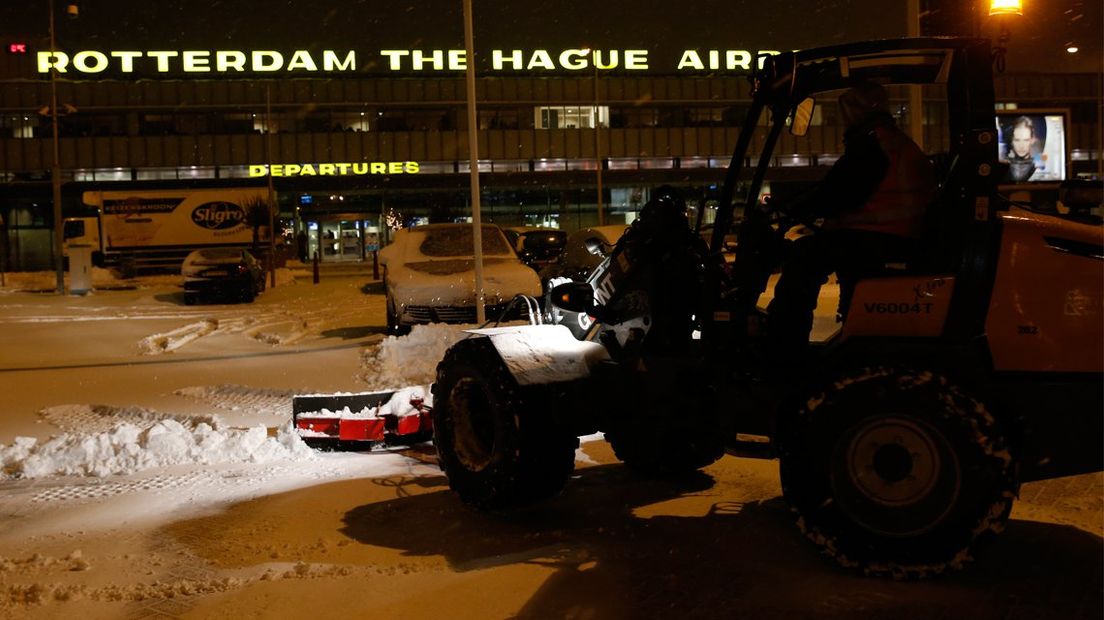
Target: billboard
1033 144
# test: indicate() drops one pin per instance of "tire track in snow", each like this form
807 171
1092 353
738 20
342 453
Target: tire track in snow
173 340
242 398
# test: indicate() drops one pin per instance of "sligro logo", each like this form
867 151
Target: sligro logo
218 215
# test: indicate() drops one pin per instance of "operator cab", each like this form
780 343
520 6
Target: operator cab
786 117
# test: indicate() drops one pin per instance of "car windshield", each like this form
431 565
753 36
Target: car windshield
457 241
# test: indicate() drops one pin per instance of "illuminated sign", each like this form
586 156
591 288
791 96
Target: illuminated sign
394 60
17 48
218 215
335 169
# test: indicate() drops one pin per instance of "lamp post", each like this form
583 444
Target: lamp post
55 172
598 143
1003 10
72 10
473 155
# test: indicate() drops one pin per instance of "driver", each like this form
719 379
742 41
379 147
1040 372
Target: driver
873 202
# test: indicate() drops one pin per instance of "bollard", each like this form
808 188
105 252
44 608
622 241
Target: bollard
375 265
315 261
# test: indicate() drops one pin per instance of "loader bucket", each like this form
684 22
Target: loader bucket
359 421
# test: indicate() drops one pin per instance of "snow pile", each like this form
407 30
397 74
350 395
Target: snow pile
400 404
129 448
170 341
411 359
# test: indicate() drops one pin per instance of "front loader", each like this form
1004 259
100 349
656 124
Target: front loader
903 439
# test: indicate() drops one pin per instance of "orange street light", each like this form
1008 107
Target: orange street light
1005 7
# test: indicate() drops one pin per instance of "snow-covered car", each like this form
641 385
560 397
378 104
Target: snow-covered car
584 250
429 276
221 273
537 247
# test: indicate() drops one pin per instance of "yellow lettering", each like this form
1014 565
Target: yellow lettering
573 59
636 60
162 59
690 60
601 64
126 60
195 62
229 60
265 60
276 170
497 59
80 61
395 167
343 168
360 168
326 168
291 169
735 59
714 59
258 170
412 167
301 59
330 61
307 169
57 60
394 58
457 60
541 59
378 167
437 57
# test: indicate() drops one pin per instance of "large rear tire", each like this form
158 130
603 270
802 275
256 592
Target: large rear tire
497 449
896 472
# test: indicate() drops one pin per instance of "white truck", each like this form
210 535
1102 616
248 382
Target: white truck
136 229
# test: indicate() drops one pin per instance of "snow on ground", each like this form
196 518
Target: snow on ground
205 519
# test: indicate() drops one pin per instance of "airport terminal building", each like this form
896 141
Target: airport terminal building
356 139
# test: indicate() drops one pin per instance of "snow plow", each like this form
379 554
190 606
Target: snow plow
902 440
361 420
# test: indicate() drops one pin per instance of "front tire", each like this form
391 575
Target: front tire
497 449
896 472
394 327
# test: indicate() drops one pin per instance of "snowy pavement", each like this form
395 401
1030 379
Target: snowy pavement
153 479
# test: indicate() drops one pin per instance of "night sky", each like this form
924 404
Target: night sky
665 28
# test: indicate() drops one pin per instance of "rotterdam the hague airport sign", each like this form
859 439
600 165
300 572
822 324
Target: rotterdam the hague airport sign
210 63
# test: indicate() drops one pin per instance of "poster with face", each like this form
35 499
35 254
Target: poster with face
1033 144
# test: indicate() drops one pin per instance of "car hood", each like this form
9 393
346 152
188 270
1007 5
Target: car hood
451 282
195 267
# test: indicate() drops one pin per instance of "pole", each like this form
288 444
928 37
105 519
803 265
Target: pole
473 154
598 143
916 103
271 190
55 172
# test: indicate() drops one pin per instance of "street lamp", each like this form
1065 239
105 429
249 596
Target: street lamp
72 9
1003 10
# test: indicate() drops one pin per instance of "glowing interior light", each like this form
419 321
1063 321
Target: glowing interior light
1073 49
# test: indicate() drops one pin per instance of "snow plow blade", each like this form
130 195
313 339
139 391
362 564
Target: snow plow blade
358 421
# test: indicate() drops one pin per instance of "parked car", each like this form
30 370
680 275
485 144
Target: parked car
537 247
583 251
225 273
429 276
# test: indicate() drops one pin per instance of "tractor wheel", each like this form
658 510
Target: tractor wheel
896 472
673 442
496 449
